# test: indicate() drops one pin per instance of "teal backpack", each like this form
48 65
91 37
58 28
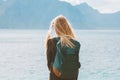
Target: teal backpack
67 60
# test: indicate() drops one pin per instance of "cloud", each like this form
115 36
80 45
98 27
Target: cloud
103 6
4 5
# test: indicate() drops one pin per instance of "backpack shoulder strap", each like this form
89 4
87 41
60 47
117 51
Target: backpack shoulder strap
57 39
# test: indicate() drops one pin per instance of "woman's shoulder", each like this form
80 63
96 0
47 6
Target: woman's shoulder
51 42
54 39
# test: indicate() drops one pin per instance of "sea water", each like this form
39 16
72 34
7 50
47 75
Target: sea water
23 55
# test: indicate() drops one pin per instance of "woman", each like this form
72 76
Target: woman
64 32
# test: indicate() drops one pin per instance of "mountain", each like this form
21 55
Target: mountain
37 14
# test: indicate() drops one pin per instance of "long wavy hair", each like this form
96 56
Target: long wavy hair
63 29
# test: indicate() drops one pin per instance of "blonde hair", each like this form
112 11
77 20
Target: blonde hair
63 30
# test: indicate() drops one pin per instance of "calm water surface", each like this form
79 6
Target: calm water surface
22 55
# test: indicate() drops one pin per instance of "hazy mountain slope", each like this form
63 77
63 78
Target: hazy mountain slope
37 14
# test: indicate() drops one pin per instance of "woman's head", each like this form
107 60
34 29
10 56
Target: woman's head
62 27
63 30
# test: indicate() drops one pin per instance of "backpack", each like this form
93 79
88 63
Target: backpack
66 62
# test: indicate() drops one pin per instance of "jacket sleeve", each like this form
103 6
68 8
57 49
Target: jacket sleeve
49 54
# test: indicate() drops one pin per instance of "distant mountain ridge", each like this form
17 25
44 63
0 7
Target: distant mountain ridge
37 14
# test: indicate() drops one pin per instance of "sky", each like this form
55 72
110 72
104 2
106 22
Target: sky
103 6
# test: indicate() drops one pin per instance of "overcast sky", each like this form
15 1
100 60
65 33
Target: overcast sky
104 6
